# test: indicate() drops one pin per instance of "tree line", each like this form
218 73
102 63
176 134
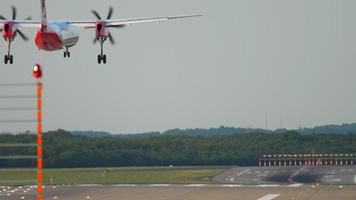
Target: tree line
64 150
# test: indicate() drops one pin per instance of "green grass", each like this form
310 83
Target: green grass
145 175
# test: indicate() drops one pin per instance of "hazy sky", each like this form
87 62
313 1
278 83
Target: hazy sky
244 60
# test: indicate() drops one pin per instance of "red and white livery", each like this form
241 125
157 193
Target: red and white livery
63 34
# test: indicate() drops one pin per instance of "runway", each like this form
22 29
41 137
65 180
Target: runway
326 175
245 183
181 192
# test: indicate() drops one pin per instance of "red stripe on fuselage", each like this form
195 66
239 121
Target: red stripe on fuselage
49 41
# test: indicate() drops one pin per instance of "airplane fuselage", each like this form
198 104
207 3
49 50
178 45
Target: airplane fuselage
63 34
56 36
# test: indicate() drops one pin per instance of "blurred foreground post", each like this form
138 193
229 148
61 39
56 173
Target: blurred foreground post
37 73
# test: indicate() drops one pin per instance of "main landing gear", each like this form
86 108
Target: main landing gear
102 56
66 53
9 58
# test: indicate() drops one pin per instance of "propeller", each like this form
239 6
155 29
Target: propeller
110 14
14 14
97 15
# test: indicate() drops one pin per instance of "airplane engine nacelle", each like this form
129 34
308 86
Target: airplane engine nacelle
8 30
100 29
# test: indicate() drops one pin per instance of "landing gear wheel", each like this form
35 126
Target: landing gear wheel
104 59
6 59
66 54
99 59
11 59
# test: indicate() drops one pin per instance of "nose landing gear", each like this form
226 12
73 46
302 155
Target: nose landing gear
9 58
102 56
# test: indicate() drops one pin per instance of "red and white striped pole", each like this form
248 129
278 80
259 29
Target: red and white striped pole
37 73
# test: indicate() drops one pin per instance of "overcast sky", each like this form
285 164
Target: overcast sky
243 62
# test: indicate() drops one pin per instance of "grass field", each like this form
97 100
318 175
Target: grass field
147 175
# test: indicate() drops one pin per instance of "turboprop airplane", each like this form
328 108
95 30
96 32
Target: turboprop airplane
63 34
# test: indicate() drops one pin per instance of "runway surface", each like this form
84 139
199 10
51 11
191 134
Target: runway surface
345 175
197 192
241 183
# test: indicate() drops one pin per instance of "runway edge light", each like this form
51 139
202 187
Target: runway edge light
37 71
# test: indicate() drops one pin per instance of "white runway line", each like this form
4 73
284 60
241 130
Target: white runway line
295 185
160 185
124 185
239 174
269 197
231 186
195 185
268 185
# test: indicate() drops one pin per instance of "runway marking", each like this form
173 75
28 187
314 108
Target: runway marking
231 186
290 179
195 185
295 185
160 185
268 185
247 170
329 176
269 197
124 185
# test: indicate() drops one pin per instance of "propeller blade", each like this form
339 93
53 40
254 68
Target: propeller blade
111 11
14 12
29 18
95 40
112 41
2 17
96 14
23 36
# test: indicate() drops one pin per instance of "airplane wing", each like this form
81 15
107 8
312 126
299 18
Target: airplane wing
110 23
25 23
125 22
